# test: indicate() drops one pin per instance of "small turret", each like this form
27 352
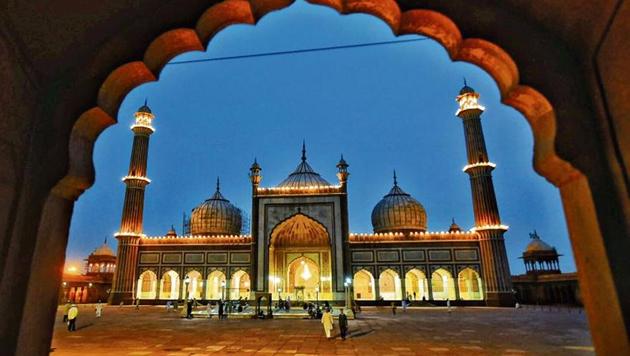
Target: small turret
342 173
254 174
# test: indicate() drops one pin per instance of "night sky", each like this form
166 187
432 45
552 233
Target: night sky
384 107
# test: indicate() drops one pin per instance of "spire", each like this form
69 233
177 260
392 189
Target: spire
105 241
145 100
395 179
303 150
465 84
218 184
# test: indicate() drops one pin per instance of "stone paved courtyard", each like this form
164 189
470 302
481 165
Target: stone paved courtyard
423 331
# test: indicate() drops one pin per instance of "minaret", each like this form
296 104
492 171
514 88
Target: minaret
255 178
131 222
496 272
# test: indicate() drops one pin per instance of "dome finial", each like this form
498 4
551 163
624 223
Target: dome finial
303 150
452 220
145 101
534 235
395 179
465 84
218 184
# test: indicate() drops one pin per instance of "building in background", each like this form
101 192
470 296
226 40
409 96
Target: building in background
543 282
300 245
94 283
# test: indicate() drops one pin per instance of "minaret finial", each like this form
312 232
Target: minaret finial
218 184
465 84
453 220
145 101
395 179
105 241
303 150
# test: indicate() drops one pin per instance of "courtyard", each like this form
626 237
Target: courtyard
418 331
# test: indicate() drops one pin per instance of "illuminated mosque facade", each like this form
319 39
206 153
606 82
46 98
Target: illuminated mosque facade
301 246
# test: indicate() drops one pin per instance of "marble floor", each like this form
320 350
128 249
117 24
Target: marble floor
422 331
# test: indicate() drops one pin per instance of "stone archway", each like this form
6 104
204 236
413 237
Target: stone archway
549 49
300 259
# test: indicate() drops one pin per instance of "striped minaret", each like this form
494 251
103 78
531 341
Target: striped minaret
131 222
494 263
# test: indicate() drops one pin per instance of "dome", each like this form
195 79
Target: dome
538 245
171 232
304 176
466 89
145 107
398 212
454 227
103 250
215 216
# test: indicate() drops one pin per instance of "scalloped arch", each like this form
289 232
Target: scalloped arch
484 54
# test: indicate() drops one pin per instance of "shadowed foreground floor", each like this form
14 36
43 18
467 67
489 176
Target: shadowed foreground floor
427 331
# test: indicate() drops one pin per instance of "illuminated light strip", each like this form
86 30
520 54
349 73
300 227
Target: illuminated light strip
470 107
192 237
490 227
479 164
143 126
134 234
125 178
289 189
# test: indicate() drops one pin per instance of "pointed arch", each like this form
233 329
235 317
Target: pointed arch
363 285
416 285
442 285
146 288
215 285
194 287
469 282
389 285
169 285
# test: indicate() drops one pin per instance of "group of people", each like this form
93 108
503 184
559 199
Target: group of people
71 312
328 323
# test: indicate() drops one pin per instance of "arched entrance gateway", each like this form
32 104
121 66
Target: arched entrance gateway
299 260
581 47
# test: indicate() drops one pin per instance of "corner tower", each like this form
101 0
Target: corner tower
496 271
131 223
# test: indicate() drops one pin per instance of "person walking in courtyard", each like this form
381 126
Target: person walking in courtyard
220 309
393 308
99 309
327 321
343 324
65 311
73 312
189 308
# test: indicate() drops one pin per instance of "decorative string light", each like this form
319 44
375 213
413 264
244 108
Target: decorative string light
479 164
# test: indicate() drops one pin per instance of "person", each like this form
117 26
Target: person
189 308
65 311
327 321
404 305
73 312
343 324
137 302
393 308
448 305
209 309
220 309
99 309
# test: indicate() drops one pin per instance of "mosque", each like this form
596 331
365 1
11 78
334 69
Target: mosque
300 245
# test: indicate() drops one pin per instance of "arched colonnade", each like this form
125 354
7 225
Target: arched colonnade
416 285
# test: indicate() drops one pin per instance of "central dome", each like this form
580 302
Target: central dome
304 176
216 216
398 212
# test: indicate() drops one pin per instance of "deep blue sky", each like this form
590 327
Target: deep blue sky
383 107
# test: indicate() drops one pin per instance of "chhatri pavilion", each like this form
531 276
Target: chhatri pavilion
300 245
